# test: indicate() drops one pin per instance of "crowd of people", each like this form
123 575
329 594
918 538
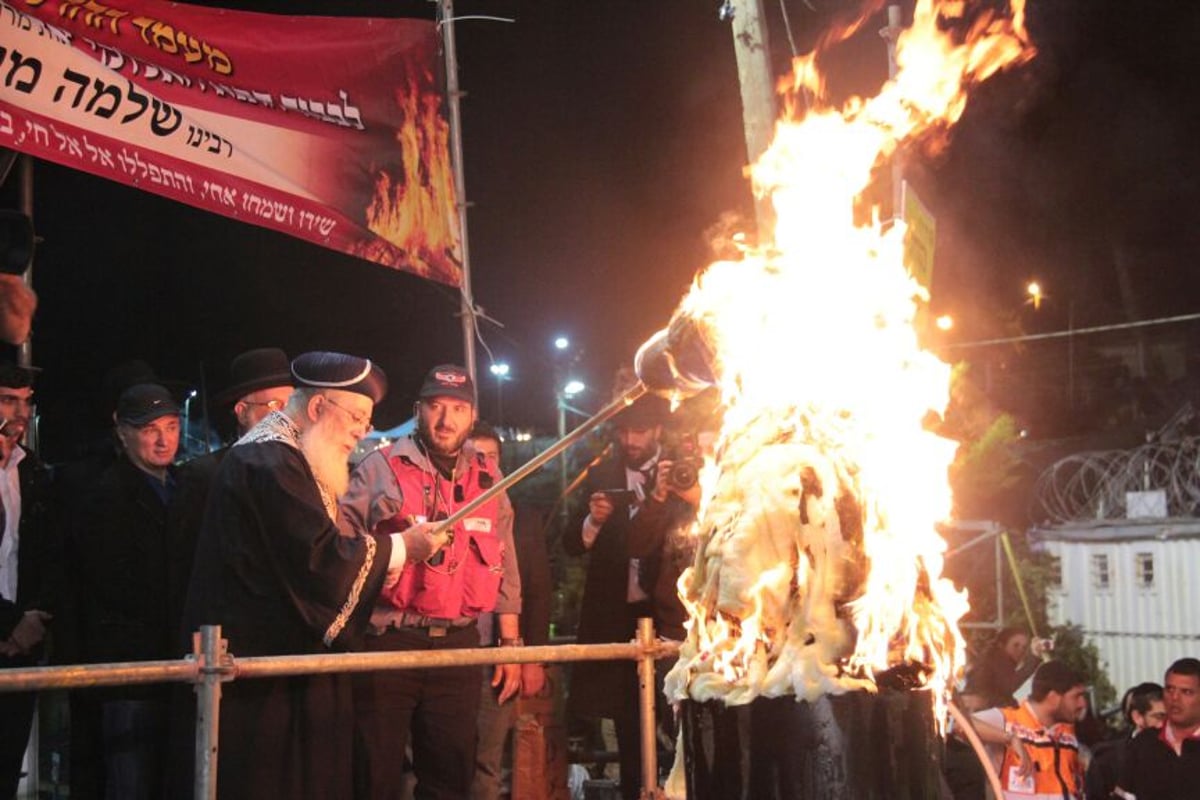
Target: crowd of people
1041 746
279 540
292 550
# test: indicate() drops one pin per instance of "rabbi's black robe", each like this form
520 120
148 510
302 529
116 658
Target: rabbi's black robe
273 570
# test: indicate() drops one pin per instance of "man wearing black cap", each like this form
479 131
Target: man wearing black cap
436 603
282 572
124 586
28 566
620 588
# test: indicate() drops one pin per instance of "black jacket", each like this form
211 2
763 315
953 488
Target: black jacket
120 544
39 553
1152 771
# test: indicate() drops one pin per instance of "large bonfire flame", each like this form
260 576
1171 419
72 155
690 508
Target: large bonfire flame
818 566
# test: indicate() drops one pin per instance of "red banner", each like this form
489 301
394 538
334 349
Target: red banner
328 129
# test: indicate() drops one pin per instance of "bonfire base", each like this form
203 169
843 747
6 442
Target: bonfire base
854 746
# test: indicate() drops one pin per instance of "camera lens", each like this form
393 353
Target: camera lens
682 475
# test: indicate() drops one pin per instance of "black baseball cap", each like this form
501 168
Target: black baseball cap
143 403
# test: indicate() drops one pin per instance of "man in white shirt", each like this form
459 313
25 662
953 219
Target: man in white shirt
27 561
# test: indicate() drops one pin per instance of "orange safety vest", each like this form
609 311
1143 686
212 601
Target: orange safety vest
1055 755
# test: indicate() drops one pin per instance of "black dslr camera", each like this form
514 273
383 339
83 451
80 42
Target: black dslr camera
686 461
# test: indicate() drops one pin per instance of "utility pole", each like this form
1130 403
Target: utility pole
750 45
453 96
891 34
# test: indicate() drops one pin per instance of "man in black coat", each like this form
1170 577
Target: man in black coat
276 571
260 381
121 546
618 589
29 566
1164 763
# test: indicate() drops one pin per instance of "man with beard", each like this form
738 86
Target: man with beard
279 569
1041 756
29 565
437 602
619 588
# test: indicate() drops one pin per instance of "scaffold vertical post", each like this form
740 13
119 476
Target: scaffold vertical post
210 653
645 639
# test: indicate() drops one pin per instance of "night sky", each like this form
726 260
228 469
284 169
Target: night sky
603 139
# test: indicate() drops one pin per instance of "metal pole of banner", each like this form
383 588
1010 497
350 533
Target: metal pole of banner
453 96
25 350
210 653
645 668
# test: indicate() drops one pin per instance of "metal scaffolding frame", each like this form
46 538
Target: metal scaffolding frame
211 664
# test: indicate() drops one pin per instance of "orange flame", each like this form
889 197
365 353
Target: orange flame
818 565
414 209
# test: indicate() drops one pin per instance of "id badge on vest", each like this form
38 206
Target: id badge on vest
1019 784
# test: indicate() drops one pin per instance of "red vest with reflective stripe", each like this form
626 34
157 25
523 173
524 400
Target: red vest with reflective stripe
466 581
1055 754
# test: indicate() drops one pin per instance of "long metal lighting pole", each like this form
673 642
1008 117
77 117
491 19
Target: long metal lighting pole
453 95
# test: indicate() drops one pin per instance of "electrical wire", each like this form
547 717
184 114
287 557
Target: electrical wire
787 27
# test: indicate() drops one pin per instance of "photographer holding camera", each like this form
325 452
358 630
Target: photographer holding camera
633 508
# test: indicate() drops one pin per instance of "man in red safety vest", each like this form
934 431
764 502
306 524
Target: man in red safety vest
437 603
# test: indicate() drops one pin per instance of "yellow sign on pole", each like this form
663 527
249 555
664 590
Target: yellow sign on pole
920 236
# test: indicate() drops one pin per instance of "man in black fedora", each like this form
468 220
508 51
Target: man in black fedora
260 381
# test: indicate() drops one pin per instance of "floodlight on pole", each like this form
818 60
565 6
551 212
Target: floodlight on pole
1034 290
561 343
500 369
573 387
187 416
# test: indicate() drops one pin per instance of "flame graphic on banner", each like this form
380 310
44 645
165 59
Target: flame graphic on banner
818 566
414 207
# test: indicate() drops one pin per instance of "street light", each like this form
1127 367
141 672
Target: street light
1034 290
561 343
187 418
500 370
568 390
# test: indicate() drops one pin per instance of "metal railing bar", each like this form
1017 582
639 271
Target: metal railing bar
188 670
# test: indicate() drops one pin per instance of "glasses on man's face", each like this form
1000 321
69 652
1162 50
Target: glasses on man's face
273 404
357 417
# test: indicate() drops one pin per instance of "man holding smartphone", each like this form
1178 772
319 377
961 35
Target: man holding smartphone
618 588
